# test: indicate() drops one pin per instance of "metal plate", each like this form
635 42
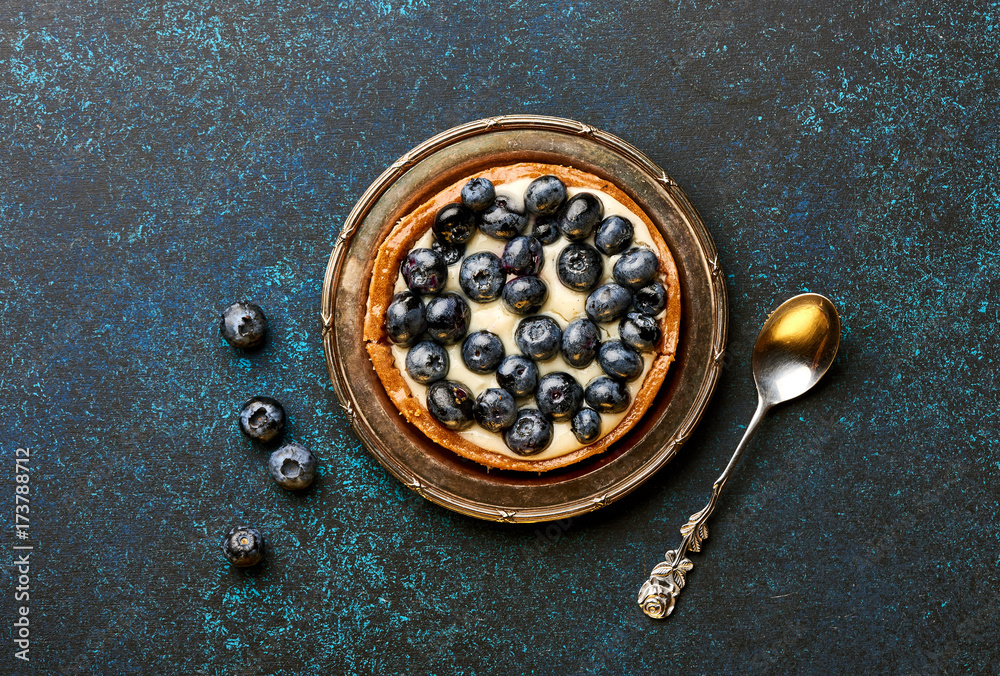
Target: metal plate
438 474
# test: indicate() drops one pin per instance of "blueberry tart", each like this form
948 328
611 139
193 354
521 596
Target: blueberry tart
544 336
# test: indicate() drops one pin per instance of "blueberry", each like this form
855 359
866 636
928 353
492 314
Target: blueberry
580 216
405 318
518 375
243 325
545 195
478 194
620 360
522 256
580 342
640 331
424 271
650 300
530 434
481 277
538 337
559 396
608 303
427 362
452 253
580 266
243 546
614 235
292 466
607 395
447 318
545 230
262 418
586 425
495 409
501 220
636 267
482 352
451 403
524 295
454 224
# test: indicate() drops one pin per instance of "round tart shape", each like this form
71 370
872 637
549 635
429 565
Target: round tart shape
580 226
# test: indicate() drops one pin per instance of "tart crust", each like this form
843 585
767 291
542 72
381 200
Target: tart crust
402 237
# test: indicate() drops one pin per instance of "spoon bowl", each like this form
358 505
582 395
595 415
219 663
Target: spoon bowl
795 347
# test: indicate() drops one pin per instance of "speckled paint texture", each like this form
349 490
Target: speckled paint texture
159 160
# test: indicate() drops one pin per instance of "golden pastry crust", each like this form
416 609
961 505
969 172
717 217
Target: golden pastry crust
385 270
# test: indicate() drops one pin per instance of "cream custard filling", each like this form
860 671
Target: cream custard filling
562 303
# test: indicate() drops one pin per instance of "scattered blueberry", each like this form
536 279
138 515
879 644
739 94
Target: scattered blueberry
620 360
262 418
580 216
451 403
607 395
545 230
478 194
580 266
538 337
501 220
636 267
545 195
452 253
495 409
243 325
243 546
454 224
614 235
650 300
424 271
586 425
482 352
608 303
482 277
522 256
524 295
518 375
292 466
640 331
559 396
580 342
447 318
427 362
530 434
405 318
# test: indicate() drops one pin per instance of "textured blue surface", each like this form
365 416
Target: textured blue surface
161 160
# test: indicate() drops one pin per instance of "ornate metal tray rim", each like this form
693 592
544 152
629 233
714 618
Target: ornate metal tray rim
340 380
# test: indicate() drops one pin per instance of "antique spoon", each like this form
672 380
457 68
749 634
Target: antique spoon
795 348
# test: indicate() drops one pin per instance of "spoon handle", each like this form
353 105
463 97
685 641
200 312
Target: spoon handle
659 593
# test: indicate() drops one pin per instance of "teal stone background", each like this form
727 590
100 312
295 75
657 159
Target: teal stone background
160 160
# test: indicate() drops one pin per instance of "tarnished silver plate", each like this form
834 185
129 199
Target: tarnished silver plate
438 474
